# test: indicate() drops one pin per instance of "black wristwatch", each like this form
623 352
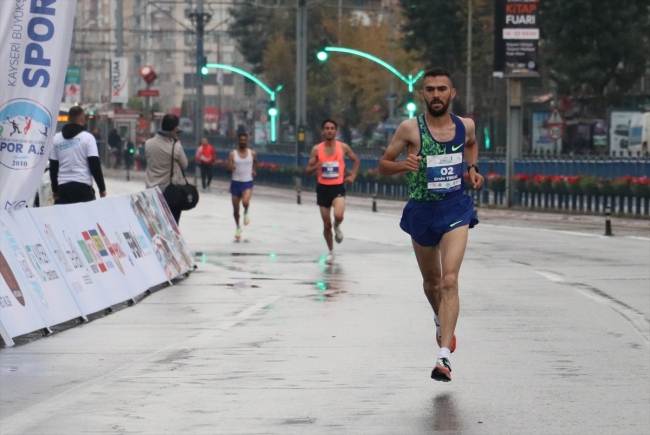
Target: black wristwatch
473 165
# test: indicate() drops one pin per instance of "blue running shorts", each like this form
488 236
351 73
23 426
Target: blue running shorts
238 187
427 221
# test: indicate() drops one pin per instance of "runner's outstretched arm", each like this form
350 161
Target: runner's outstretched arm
314 164
388 165
231 161
471 153
254 163
357 163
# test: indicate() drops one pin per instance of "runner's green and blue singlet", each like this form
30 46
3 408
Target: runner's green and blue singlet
440 176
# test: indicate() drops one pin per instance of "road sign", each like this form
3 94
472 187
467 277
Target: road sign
555 132
148 74
148 93
554 118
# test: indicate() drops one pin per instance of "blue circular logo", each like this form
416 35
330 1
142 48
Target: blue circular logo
25 126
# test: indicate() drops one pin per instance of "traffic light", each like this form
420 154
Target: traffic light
204 66
486 133
272 110
273 113
322 54
411 107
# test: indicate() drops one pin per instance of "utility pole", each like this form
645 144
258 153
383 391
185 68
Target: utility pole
119 36
391 60
340 18
119 28
301 76
468 96
199 18
514 133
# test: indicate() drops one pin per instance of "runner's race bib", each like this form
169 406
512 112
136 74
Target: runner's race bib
330 170
444 172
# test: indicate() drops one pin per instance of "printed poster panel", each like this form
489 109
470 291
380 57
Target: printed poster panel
619 131
516 38
262 133
541 142
78 258
120 80
18 312
37 276
106 217
188 258
34 49
600 133
88 224
136 237
155 220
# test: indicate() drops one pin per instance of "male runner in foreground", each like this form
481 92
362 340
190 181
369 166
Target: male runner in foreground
328 158
242 162
439 214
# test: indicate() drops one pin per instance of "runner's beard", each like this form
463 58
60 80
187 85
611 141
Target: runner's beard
438 113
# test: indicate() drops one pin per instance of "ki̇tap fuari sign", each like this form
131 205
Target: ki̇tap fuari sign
516 38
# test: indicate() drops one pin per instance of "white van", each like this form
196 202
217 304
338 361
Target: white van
639 133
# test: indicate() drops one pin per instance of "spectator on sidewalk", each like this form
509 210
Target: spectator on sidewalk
114 141
129 152
206 157
74 162
158 151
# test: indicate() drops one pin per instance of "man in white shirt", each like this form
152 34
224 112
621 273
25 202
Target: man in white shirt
74 162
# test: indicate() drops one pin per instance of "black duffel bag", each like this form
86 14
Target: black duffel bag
180 196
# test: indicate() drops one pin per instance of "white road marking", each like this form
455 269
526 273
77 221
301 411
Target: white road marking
640 323
66 399
569 233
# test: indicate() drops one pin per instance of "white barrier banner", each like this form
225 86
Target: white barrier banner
33 263
59 263
78 257
154 215
18 312
35 40
136 239
177 237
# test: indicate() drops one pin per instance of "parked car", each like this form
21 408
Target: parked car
43 196
622 130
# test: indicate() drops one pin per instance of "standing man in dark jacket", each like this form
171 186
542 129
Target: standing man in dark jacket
74 162
114 141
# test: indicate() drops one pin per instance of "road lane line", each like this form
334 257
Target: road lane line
640 322
41 411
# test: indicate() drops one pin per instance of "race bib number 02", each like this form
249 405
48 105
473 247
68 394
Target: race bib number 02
444 172
330 169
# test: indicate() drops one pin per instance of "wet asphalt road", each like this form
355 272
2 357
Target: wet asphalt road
266 339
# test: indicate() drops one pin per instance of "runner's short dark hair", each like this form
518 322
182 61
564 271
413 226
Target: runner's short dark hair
242 134
437 72
329 120
169 122
75 113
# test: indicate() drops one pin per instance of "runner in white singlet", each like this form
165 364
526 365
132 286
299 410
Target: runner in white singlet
242 162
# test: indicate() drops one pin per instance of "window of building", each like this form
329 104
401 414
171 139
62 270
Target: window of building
249 87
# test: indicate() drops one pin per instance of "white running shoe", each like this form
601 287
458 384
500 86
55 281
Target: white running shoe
338 234
330 258
442 370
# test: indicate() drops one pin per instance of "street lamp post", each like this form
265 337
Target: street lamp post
272 111
323 55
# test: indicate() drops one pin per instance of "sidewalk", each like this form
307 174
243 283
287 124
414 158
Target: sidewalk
640 227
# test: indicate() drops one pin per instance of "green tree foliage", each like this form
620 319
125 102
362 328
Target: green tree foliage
596 48
252 28
434 30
